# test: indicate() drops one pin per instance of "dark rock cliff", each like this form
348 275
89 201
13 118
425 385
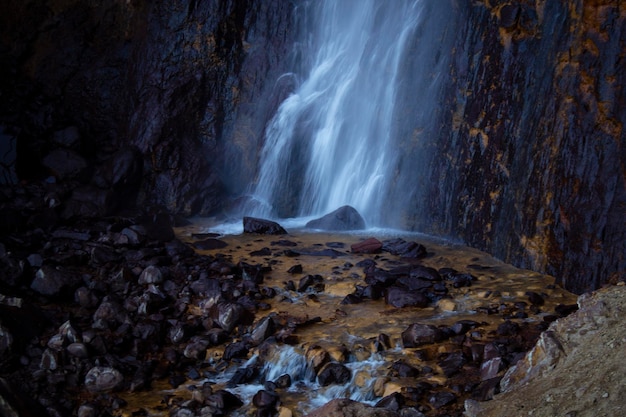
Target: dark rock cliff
530 164
187 85
528 161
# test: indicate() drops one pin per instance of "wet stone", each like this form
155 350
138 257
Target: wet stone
451 364
404 249
403 369
370 245
102 379
425 272
535 298
52 281
229 315
283 381
489 369
265 399
441 399
262 226
296 269
78 350
508 328
420 334
399 297
196 348
393 402
334 373
236 350
150 275
312 283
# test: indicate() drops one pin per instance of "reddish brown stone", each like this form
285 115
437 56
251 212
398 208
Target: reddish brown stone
370 245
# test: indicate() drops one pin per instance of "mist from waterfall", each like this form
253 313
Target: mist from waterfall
334 141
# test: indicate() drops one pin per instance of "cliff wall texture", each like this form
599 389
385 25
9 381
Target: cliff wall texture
184 84
164 103
532 163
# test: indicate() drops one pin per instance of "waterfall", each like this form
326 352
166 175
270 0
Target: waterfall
334 141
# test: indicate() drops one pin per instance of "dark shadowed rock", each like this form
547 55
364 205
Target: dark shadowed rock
262 226
344 218
400 297
224 401
452 363
229 315
441 398
402 248
392 402
52 281
262 330
334 373
236 350
311 282
102 379
421 334
403 369
265 399
344 407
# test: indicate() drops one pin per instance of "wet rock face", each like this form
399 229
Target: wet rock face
531 140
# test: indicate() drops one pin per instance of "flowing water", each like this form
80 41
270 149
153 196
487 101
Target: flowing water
337 139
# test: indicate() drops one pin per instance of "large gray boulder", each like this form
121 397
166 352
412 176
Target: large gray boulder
344 218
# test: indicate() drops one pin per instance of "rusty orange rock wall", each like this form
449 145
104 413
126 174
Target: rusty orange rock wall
530 163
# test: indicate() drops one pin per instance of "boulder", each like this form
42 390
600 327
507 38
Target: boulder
262 226
344 218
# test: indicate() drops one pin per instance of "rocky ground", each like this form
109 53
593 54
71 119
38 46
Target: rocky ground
97 311
577 368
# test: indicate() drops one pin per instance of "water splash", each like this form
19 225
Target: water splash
332 141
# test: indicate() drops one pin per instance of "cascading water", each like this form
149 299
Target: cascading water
334 141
